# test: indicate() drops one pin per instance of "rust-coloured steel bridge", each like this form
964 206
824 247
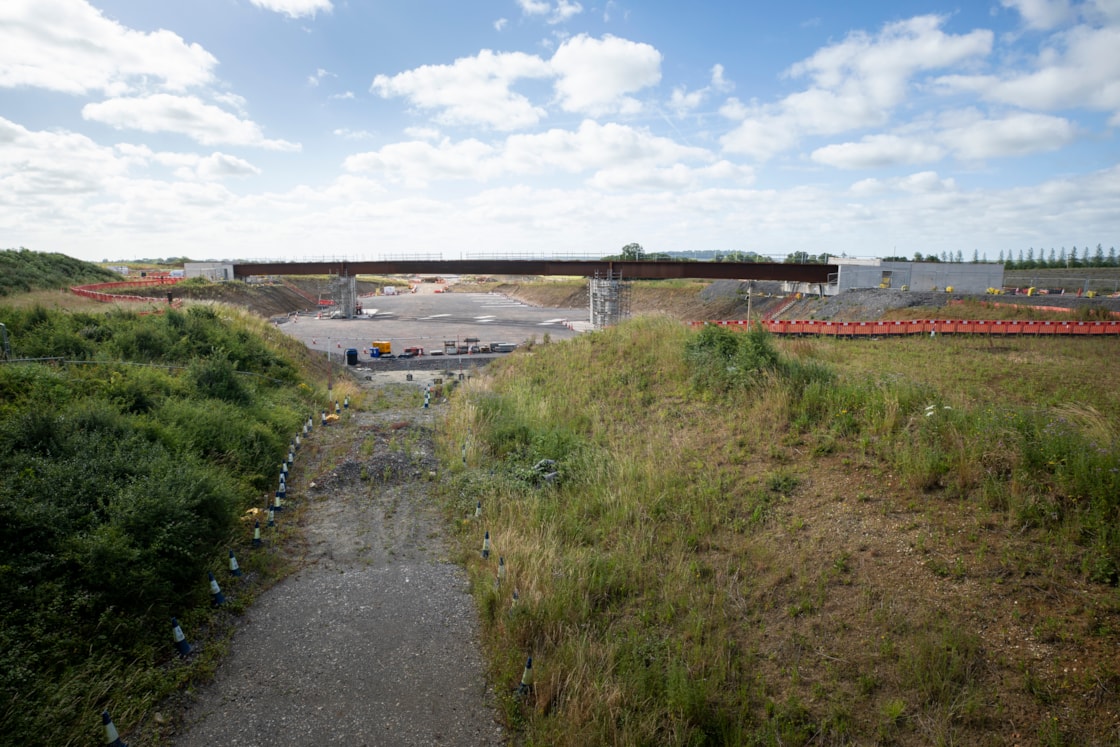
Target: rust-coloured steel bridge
640 270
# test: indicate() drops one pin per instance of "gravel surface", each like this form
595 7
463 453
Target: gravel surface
374 640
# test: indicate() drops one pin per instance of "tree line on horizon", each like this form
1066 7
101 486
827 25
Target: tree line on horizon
1029 259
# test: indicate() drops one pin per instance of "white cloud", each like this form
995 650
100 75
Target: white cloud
295 8
534 7
719 83
609 154
69 46
877 151
417 163
48 167
925 182
348 134
314 80
216 166
1041 14
591 76
422 133
967 135
344 96
596 74
565 9
1014 135
472 90
1075 68
185 115
595 146
675 177
500 24
562 11
682 101
856 83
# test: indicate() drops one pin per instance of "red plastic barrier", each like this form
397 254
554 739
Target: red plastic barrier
923 327
94 290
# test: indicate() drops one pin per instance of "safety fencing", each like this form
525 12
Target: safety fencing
102 291
1034 307
924 327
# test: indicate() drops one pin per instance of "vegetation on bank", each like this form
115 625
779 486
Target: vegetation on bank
22 270
760 541
127 471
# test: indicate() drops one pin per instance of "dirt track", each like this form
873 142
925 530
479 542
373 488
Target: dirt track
374 640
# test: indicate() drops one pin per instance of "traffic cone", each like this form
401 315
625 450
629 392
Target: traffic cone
501 569
297 442
112 738
257 534
323 415
271 518
486 546
180 640
337 408
278 502
478 509
217 598
234 568
526 678
346 403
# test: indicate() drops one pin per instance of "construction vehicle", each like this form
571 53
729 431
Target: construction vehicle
378 348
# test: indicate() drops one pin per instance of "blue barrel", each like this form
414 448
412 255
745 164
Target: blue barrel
351 356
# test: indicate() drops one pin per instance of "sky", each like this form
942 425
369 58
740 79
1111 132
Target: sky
430 129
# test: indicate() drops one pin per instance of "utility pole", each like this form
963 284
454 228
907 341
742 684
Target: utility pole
750 287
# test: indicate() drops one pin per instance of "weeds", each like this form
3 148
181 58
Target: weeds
664 577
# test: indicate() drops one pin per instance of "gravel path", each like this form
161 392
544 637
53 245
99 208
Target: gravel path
374 640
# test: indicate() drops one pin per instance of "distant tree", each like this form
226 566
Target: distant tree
975 256
1112 256
633 253
1022 263
742 257
1052 260
798 258
1098 256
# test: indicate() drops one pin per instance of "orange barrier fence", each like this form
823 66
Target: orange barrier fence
924 327
1059 309
97 291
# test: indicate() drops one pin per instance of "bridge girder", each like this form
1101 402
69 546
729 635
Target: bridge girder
809 273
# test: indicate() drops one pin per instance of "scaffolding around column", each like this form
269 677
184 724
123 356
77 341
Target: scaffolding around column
344 293
609 299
